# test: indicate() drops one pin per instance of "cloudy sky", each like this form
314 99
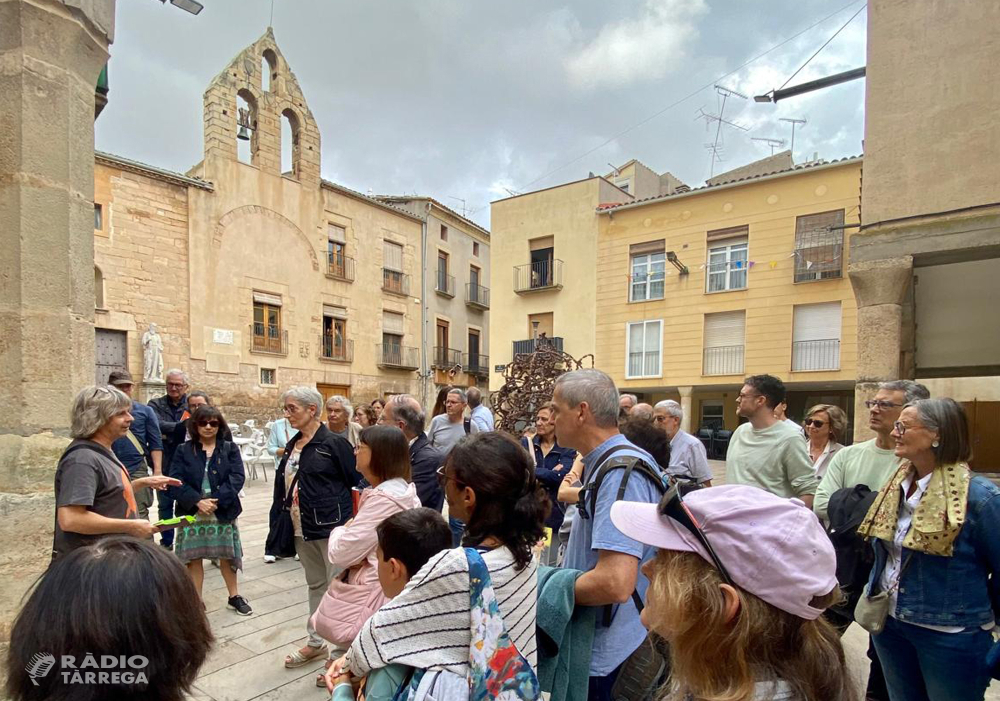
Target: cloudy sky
468 99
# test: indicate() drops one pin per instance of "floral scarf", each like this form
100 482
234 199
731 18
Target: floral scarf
938 518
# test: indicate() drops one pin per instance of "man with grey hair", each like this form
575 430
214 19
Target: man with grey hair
405 412
171 410
641 411
480 415
627 402
874 461
688 458
338 419
587 406
449 428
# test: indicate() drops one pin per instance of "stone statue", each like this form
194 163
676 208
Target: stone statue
152 356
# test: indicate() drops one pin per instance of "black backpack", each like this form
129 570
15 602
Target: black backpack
855 556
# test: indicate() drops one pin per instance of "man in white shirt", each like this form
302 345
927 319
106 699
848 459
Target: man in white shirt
687 454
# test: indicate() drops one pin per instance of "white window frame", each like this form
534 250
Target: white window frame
729 271
648 274
659 345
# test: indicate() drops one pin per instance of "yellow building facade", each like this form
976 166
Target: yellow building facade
696 290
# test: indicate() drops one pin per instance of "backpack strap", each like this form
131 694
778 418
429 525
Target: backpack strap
468 426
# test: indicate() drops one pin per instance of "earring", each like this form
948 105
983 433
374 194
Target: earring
935 444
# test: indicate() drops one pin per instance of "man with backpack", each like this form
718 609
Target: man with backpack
587 407
446 430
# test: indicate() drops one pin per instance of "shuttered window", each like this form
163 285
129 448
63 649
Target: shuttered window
392 256
334 311
816 337
819 246
644 351
724 343
392 322
337 233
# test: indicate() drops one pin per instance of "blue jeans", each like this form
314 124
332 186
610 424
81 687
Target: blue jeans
925 665
457 529
165 506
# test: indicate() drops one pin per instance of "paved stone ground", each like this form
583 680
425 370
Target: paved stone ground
246 662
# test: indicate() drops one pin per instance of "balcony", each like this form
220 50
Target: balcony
475 364
395 282
446 358
538 276
477 296
340 268
269 339
444 284
531 344
395 356
723 360
336 350
823 354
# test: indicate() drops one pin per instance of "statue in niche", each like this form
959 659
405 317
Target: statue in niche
152 356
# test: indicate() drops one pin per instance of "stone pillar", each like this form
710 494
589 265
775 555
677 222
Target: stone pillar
51 53
880 288
686 405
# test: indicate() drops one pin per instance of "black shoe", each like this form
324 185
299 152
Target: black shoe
240 605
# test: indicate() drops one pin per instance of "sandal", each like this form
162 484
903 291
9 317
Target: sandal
321 677
297 659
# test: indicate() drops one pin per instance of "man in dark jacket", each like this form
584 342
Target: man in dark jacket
171 409
404 411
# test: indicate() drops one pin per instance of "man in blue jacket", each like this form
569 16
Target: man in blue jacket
171 409
142 448
405 412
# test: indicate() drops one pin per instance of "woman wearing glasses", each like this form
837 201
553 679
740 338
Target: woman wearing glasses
937 557
738 585
825 425
211 473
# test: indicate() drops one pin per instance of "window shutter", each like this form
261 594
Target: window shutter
816 322
392 256
541 244
266 298
334 311
637 249
392 322
725 329
730 233
336 233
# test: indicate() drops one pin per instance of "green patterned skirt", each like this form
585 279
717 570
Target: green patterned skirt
209 538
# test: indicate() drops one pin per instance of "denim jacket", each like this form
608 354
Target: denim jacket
956 590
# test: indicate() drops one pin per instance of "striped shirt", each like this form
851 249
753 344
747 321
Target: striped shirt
428 626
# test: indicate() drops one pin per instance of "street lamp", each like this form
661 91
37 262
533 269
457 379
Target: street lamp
191 6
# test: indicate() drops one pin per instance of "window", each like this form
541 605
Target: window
98 217
473 343
268 64
712 415
645 343
819 246
816 337
289 144
442 274
98 288
444 232
542 255
539 324
337 250
334 338
475 248
268 376
723 344
246 127
392 337
624 185
392 267
648 271
726 268
441 346
267 336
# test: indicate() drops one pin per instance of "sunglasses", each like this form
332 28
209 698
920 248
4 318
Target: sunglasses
814 422
672 505
210 422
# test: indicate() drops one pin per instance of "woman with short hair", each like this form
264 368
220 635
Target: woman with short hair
211 472
937 557
121 598
316 475
94 494
552 463
365 416
825 426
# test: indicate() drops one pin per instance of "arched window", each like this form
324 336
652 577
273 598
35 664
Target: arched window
289 143
246 127
98 288
268 70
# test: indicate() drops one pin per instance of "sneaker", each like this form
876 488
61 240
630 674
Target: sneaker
240 605
296 557
270 559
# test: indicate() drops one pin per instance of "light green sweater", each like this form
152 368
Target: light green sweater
861 463
774 459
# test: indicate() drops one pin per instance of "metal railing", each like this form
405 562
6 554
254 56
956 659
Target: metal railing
393 355
477 296
723 360
531 344
268 338
340 350
475 364
446 358
541 275
444 284
395 282
340 268
823 354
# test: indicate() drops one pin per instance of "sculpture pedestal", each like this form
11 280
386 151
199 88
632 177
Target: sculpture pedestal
150 389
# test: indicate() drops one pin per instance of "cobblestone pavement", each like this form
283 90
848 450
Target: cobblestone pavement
247 660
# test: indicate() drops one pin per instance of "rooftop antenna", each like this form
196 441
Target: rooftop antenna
773 143
614 169
464 208
794 123
725 93
512 193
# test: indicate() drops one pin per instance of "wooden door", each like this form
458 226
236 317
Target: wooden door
984 431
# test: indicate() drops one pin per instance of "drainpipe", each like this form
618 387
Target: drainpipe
424 371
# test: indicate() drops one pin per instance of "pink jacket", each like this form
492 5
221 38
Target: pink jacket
355 595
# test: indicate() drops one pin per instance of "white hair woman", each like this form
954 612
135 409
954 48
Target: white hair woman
339 413
313 482
94 495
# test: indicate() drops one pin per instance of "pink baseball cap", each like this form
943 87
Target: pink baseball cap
773 548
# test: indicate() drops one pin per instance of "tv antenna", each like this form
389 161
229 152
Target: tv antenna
464 208
725 93
794 123
773 143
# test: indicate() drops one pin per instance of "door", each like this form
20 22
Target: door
441 346
329 390
475 361
111 353
984 433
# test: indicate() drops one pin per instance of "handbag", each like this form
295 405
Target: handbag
344 608
871 611
281 534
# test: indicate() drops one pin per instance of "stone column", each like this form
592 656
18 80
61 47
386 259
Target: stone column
686 405
880 288
51 53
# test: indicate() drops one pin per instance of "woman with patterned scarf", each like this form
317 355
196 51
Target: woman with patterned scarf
935 530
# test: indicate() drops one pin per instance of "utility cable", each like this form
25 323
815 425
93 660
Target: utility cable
824 45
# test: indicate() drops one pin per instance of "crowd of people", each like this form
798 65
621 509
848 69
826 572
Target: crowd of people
590 557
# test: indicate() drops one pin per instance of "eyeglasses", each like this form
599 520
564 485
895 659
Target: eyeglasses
881 404
901 428
290 408
176 385
444 476
212 423
753 395
814 422
672 505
